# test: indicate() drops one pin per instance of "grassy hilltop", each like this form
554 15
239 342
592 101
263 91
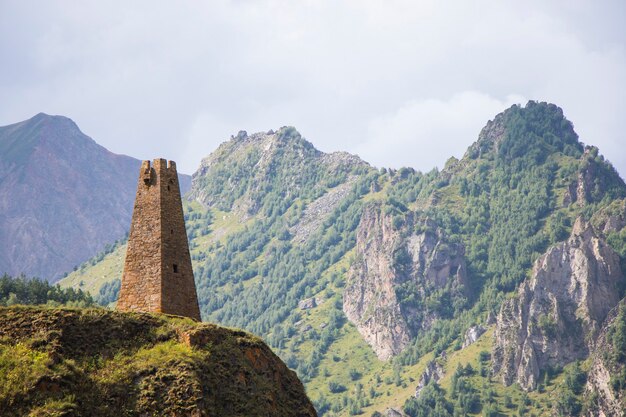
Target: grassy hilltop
95 362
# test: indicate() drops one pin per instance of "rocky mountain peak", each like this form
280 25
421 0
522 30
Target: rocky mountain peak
537 127
241 172
55 119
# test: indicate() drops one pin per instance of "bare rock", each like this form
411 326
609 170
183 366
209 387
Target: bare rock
472 334
609 401
318 211
433 373
611 218
386 258
307 304
559 310
394 412
593 180
489 138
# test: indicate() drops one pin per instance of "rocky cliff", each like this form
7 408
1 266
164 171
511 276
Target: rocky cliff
606 381
395 271
102 363
593 179
558 312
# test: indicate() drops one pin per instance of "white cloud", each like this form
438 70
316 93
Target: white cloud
425 133
175 79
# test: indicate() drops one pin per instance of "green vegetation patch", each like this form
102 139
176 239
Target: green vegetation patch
101 363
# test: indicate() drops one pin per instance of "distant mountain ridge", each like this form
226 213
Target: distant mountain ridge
63 197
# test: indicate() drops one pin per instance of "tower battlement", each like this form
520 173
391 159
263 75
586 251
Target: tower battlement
161 167
158 276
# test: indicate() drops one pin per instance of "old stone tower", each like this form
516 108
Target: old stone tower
157 272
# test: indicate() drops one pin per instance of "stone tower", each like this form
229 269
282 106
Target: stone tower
157 271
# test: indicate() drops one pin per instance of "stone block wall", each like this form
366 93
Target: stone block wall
158 276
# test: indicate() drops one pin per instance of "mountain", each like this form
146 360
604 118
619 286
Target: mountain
557 314
93 362
63 197
396 291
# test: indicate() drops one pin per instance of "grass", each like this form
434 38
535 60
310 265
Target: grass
92 278
20 368
56 408
55 361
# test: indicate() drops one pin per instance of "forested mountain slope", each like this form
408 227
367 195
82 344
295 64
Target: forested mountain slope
372 283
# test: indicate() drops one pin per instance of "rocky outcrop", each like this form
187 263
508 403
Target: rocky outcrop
433 373
100 363
594 178
472 334
318 211
394 412
610 219
558 312
307 304
369 299
394 269
489 138
580 190
608 400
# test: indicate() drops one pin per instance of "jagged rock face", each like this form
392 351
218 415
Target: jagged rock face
472 334
433 373
370 300
489 138
594 179
559 310
609 402
385 259
610 219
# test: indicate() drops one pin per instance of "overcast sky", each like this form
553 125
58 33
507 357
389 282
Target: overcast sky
400 83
